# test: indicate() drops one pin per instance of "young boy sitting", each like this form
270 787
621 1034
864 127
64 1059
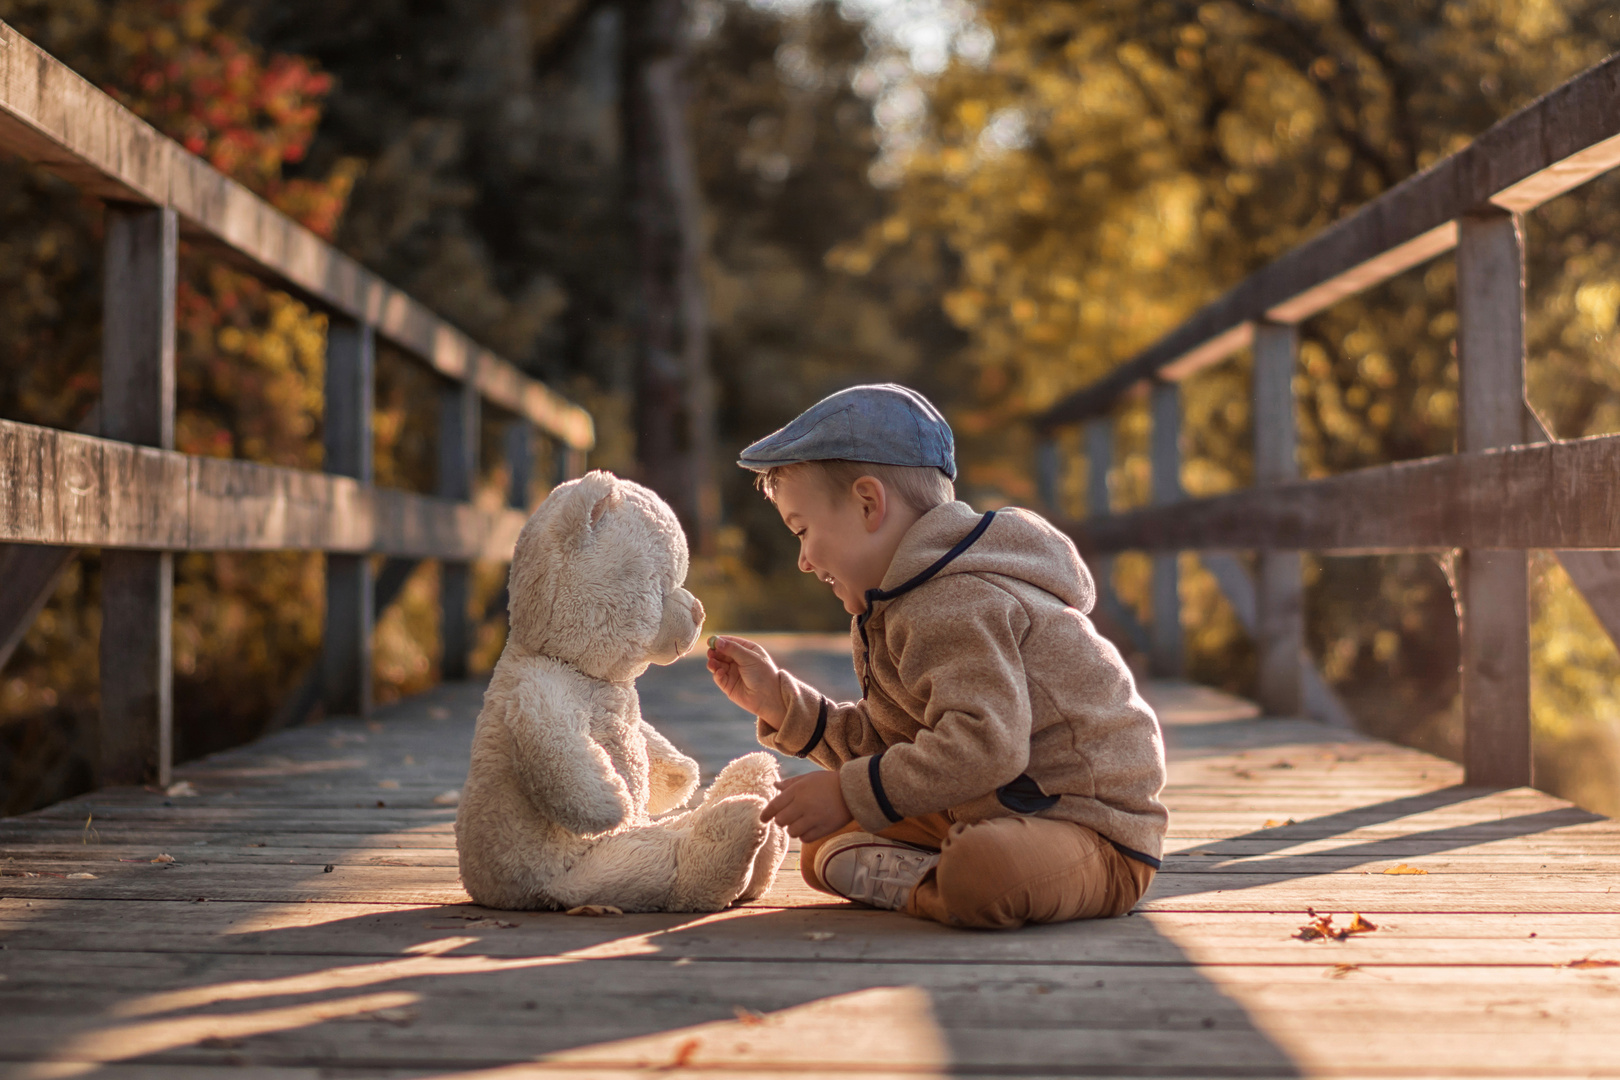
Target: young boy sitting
1000 767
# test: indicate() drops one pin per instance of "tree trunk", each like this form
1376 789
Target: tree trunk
675 442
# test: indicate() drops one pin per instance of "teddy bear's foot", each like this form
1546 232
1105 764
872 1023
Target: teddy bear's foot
767 861
715 860
751 774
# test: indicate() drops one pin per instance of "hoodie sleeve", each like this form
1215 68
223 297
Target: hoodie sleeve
827 732
958 650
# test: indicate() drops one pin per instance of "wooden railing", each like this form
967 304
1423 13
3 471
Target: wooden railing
1496 497
129 493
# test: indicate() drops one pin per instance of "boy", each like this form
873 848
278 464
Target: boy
1000 767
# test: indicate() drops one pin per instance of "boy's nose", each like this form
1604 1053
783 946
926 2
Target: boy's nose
804 564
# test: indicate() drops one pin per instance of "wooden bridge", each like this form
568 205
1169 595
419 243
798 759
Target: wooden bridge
1330 904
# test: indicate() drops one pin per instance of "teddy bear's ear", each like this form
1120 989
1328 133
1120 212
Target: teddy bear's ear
603 505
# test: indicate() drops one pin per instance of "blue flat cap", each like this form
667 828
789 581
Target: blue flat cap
883 423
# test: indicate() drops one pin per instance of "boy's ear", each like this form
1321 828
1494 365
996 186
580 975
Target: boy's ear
870 493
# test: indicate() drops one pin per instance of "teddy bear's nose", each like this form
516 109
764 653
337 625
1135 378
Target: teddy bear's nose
697 611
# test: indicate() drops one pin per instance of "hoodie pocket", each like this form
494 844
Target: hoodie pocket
1024 796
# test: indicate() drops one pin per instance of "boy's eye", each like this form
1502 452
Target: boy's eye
800 532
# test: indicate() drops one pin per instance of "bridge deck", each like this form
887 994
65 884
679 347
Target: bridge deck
311 924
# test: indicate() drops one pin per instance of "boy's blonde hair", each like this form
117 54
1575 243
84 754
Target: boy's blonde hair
920 487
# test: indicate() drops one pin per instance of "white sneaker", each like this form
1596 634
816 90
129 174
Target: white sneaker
871 870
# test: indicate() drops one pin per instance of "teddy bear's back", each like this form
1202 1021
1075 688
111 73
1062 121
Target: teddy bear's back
503 831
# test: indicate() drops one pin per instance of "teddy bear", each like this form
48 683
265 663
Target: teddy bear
566 777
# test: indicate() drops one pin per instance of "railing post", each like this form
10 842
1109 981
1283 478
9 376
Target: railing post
1049 475
1280 593
1493 586
136 737
458 466
1166 652
519 439
350 582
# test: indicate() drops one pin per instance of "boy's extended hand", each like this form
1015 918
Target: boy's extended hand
809 807
746 674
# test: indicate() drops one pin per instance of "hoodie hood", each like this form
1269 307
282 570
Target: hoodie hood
1015 544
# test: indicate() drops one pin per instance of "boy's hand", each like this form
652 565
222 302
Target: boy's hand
746 674
809 807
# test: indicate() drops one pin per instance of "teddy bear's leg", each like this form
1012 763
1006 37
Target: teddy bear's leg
715 859
632 870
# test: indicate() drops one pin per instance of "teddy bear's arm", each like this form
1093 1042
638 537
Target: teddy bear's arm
562 770
674 775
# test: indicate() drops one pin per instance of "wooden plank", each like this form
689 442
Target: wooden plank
1099 460
1279 630
1555 496
458 471
60 488
1166 654
1493 587
135 730
1468 971
350 583
1563 139
518 443
50 115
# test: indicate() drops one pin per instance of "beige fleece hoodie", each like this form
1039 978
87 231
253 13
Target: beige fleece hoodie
988 693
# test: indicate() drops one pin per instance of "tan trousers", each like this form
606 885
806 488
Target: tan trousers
1005 872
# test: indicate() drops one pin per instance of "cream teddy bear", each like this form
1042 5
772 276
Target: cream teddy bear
565 773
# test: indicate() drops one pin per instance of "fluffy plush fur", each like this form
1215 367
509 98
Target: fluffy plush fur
566 775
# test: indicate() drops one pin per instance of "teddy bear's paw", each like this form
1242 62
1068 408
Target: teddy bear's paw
751 774
715 862
767 861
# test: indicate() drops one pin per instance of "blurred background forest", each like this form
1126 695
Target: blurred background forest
995 201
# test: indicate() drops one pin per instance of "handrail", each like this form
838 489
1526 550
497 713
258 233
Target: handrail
1556 143
131 495
52 116
1491 501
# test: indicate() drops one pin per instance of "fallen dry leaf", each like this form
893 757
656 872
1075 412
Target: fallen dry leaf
181 789
1588 962
1321 927
1404 869
1277 823
1339 971
388 785
447 798
684 1052
747 1016
820 935
594 909
164 858
80 876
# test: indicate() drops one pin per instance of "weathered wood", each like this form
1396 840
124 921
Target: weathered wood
1279 630
1317 699
1493 586
28 576
458 470
519 447
1556 496
52 116
1557 142
1166 655
346 641
135 732
100 973
1099 459
60 488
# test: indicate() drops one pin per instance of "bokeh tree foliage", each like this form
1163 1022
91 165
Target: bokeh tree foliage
1116 164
